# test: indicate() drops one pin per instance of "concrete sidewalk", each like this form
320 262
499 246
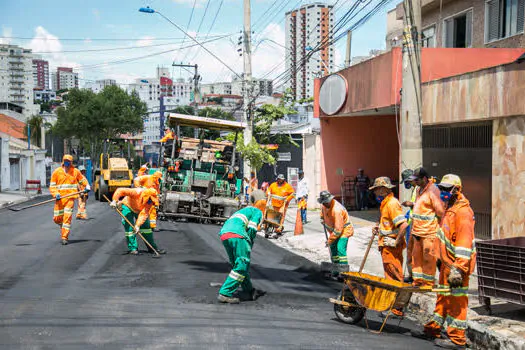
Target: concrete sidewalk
504 330
9 198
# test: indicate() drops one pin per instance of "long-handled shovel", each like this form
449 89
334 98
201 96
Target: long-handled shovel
330 266
367 251
157 255
45 202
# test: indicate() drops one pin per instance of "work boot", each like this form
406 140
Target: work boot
134 252
229 300
408 279
256 293
421 334
64 242
447 344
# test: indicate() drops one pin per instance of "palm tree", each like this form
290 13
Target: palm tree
36 122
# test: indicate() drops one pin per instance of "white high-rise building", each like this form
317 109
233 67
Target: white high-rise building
150 90
99 85
64 78
260 87
16 77
308 29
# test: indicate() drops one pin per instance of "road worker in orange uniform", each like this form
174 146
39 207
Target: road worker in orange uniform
66 180
457 254
82 199
281 193
392 227
427 211
150 181
136 204
143 170
336 221
168 135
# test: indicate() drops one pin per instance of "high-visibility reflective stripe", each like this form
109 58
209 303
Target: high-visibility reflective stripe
455 323
146 230
389 232
58 212
240 216
130 234
438 319
462 252
399 219
52 184
253 226
67 187
423 217
68 210
418 275
66 226
236 276
274 196
343 259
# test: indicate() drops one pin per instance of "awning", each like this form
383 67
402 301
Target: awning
175 119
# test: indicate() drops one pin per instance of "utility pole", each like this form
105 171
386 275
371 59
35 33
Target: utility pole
247 77
196 79
411 118
348 59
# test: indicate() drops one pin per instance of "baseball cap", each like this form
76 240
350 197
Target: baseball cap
419 173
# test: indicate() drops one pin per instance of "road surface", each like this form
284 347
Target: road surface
92 294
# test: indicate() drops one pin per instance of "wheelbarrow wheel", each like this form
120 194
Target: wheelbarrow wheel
348 314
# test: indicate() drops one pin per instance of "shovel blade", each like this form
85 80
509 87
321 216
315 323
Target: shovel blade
15 209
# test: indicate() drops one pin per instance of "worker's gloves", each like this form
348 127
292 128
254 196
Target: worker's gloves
455 278
57 197
389 242
136 230
87 189
375 230
113 204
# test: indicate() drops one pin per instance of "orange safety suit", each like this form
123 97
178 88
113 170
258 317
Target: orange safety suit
64 183
455 249
167 136
150 181
133 199
280 198
142 171
425 226
337 223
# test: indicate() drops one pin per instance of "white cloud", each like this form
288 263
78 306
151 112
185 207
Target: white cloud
145 41
7 33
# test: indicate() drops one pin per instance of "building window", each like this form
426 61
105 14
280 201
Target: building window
429 37
458 30
503 18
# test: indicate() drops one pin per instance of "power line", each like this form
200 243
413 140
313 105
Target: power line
211 27
86 39
200 25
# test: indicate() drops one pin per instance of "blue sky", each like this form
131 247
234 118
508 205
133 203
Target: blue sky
48 25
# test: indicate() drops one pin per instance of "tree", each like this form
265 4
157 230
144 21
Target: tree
92 117
35 124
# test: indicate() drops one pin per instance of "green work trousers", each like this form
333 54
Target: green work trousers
338 251
238 250
145 229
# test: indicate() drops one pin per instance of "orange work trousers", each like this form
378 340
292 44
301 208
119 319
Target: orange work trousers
282 210
423 261
393 266
451 308
63 214
82 214
153 218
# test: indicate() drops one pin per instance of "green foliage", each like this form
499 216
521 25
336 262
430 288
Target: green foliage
61 91
264 117
92 117
252 152
35 123
46 106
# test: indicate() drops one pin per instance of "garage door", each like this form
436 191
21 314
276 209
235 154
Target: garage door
465 150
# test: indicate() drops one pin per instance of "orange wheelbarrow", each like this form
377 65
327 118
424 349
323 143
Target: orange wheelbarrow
362 292
272 219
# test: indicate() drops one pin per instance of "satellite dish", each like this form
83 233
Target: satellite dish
333 93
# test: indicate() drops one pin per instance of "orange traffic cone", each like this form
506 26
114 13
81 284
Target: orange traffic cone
298 224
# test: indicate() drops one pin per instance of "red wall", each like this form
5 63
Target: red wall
351 143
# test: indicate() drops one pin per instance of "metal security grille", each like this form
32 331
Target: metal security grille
465 150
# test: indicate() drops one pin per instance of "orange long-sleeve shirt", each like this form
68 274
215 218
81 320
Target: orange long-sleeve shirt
391 218
133 199
427 209
168 136
281 194
457 236
336 221
147 181
64 183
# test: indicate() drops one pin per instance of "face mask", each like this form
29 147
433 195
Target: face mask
67 164
445 196
379 199
408 185
150 201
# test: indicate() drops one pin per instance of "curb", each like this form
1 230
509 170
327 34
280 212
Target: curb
19 201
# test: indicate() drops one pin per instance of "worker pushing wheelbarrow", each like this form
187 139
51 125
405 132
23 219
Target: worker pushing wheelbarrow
362 292
280 193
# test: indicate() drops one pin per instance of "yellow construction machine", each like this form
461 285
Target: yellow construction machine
113 172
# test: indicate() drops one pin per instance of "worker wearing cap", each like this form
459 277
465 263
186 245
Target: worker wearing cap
458 257
405 175
143 170
427 211
82 198
168 135
64 181
302 195
392 226
237 236
336 221
281 193
136 204
150 181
